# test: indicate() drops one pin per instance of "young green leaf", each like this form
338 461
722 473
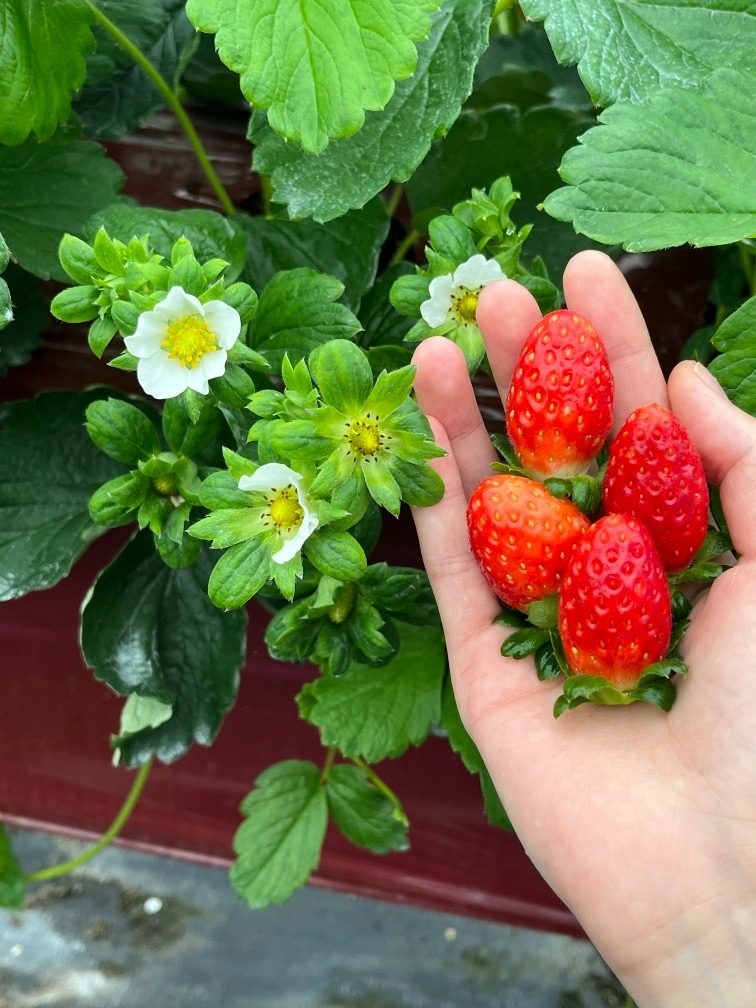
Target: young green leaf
315 68
279 843
735 367
121 430
392 142
364 814
337 554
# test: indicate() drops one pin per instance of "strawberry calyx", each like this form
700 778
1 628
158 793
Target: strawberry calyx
703 567
654 686
583 490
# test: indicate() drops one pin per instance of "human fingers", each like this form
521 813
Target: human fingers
725 437
506 313
595 288
444 391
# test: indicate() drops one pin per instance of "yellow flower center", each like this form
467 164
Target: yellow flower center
188 339
364 436
165 485
465 304
286 512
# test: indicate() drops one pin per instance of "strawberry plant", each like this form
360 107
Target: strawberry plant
261 424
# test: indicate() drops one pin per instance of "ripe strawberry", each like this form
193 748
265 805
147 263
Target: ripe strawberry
559 406
522 537
614 606
655 474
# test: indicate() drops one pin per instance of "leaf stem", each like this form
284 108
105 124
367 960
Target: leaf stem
330 757
392 203
405 246
173 101
108 836
382 787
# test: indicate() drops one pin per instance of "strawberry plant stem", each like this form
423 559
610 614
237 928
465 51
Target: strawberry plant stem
382 787
330 756
173 101
394 199
108 836
405 246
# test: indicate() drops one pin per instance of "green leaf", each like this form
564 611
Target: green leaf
677 168
297 312
31 319
363 814
525 642
343 375
315 68
393 142
336 554
279 843
196 439
375 713
123 431
626 51
43 195
239 574
347 248
140 713
212 235
117 501
735 368
41 63
118 95
151 630
12 886
49 469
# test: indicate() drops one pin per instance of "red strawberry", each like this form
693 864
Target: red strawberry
522 537
559 406
614 606
655 474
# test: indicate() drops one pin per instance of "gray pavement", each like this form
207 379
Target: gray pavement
130 930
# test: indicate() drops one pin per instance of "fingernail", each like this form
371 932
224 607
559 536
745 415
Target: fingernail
707 378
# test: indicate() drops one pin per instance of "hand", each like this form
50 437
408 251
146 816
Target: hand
644 823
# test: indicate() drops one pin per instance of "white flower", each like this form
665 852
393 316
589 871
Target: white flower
454 296
286 509
181 343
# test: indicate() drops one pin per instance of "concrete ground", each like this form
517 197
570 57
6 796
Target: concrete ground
130 930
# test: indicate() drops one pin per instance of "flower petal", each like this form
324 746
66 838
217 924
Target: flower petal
271 476
178 304
224 321
147 336
292 546
161 377
436 309
477 271
211 365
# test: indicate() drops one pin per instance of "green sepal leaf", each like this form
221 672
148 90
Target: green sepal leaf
543 613
365 815
75 304
77 259
117 501
584 491
375 713
100 335
512 618
124 362
524 642
12 885
151 630
547 663
240 573
337 554
343 375
279 843
123 431
49 469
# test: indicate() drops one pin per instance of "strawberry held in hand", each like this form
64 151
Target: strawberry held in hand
522 537
655 474
559 406
614 606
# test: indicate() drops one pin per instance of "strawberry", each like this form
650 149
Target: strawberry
559 405
614 605
522 537
655 474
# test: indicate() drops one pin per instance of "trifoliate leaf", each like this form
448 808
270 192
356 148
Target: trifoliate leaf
316 67
12 887
347 248
42 47
626 51
374 713
279 843
49 469
735 368
151 630
678 168
211 234
364 814
49 189
297 312
118 95
393 142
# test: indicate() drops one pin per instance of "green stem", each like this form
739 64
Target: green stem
748 262
266 192
330 757
175 105
394 199
405 246
110 834
381 785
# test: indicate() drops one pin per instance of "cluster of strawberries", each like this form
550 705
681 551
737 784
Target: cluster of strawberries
606 577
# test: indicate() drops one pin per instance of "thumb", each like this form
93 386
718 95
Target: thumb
725 437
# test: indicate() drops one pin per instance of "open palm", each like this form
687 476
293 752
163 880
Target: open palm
643 822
